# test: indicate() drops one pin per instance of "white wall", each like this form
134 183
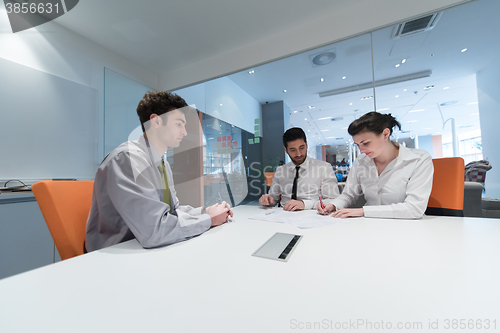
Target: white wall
350 20
238 107
488 83
53 49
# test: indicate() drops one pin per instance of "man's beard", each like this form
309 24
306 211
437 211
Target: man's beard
298 162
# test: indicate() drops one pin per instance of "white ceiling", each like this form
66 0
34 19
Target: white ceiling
166 35
473 26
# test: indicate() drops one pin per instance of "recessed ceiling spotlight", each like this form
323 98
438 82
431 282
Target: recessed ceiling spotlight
403 61
324 130
416 110
397 96
251 72
344 77
398 65
220 104
305 118
308 130
322 79
383 109
350 103
431 55
405 90
324 118
412 121
446 88
294 111
284 90
463 50
311 107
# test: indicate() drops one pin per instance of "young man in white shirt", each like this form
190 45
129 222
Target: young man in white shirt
301 182
134 194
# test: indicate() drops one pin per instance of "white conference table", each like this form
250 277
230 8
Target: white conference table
342 278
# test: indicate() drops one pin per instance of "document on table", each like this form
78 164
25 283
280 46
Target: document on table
302 219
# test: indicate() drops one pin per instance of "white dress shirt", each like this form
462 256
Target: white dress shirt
127 202
401 191
315 178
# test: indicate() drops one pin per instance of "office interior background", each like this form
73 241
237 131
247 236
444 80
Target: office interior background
70 87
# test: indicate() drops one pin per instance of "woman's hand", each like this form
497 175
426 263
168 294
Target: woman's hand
349 212
329 208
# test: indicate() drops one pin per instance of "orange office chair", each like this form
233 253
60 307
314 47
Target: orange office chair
65 206
447 196
269 178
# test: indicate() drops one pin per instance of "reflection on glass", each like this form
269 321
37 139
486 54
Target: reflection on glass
225 147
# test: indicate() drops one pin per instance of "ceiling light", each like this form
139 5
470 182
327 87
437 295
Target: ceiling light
350 103
446 88
343 77
220 104
251 72
366 97
294 111
383 109
403 61
398 65
463 50
378 83
308 130
305 118
284 90
311 107
324 130
417 110
322 79
324 118
397 96
412 121
344 127
405 90
429 87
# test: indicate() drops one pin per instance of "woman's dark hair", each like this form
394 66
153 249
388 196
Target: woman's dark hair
158 102
293 134
373 122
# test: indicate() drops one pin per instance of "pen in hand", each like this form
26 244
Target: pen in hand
322 206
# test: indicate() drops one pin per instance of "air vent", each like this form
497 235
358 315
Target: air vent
416 26
337 119
323 58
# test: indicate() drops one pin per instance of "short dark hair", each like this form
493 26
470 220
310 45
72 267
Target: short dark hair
293 134
373 122
158 102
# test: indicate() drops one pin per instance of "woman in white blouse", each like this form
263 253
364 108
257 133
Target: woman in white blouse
396 181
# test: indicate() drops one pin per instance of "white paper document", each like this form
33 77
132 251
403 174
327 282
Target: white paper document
302 219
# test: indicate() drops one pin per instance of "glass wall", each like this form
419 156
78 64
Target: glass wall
437 74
